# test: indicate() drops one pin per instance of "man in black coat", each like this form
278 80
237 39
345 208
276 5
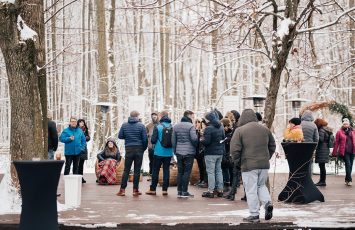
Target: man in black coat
52 137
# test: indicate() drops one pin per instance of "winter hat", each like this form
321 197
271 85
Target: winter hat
295 121
346 121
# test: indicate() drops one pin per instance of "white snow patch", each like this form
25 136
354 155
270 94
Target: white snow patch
171 224
63 207
103 225
26 32
284 28
10 199
8 1
320 224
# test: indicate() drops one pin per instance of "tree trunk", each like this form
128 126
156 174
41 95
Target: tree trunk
214 40
21 59
352 53
280 55
102 120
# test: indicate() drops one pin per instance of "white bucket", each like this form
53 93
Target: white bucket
72 190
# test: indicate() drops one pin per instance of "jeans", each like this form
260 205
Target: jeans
133 154
69 159
349 161
151 158
184 164
81 166
157 162
255 189
50 154
214 172
323 172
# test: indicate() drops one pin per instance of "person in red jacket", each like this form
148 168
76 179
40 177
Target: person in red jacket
344 147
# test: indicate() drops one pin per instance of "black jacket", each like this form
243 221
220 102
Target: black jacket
102 156
322 152
213 135
52 136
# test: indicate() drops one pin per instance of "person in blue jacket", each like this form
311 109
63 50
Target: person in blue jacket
162 155
74 143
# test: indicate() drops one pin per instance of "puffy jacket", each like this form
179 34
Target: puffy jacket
134 133
73 147
184 138
213 135
159 150
252 144
310 130
322 152
340 142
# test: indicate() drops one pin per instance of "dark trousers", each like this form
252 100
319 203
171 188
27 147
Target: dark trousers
349 161
69 159
323 172
151 158
201 168
184 164
133 155
157 162
235 182
81 166
226 175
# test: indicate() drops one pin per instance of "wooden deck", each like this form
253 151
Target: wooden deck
102 208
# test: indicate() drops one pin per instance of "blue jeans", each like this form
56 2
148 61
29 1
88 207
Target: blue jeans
214 172
157 162
133 154
184 164
50 154
349 161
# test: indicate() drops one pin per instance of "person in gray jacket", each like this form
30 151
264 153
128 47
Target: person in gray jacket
184 140
251 148
309 129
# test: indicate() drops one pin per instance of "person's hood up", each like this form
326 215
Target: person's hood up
165 119
111 140
213 120
248 115
307 116
186 119
133 120
236 115
218 114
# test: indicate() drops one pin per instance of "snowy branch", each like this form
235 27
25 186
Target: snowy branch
329 24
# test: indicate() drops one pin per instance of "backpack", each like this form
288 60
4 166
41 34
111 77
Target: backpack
331 140
166 136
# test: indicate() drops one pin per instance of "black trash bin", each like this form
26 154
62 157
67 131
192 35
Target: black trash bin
300 187
39 182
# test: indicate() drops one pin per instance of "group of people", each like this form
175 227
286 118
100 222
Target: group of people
306 129
226 149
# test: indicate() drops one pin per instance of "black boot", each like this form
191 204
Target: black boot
83 181
321 183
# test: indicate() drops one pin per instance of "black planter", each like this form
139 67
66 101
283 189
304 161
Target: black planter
39 182
300 187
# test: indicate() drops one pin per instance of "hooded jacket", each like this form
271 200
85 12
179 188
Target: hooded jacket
252 144
134 133
102 155
322 151
159 150
184 138
150 129
213 135
310 130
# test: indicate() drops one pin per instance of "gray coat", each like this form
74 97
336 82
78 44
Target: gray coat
184 139
252 144
322 152
309 129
